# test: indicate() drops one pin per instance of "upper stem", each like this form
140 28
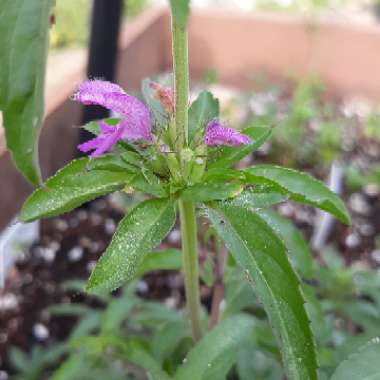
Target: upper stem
186 209
181 85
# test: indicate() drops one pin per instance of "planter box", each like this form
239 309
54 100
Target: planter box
346 57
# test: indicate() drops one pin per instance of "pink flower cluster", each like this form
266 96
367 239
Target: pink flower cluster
217 134
135 123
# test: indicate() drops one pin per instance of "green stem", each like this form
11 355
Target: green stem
186 209
190 265
181 76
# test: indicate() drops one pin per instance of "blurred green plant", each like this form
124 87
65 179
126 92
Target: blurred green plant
343 303
372 125
357 179
72 21
309 7
309 130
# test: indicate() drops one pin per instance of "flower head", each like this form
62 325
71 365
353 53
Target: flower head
165 95
217 134
135 123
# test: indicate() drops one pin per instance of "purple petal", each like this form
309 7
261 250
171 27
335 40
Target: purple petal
106 128
112 97
102 93
90 144
104 142
108 142
138 117
217 134
88 91
134 132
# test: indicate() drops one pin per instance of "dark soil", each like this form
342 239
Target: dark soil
68 249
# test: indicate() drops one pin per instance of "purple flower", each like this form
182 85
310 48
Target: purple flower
135 123
217 134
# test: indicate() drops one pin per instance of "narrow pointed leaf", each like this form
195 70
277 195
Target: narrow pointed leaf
24 29
130 348
168 259
299 251
137 234
228 156
204 192
254 201
201 111
223 338
70 187
300 187
362 365
167 337
111 162
262 255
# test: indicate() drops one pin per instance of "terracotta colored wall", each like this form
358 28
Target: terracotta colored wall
346 57
142 49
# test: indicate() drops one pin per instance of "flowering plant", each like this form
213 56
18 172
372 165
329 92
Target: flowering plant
183 158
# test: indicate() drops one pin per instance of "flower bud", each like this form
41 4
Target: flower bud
165 95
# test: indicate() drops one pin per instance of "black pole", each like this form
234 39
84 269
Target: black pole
105 25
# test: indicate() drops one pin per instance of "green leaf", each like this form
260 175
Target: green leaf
300 254
168 259
137 355
204 192
131 349
262 255
220 367
19 359
253 201
24 30
119 310
70 187
148 182
180 10
72 368
137 234
86 324
362 365
152 314
224 337
300 187
228 156
111 162
201 111
167 337
223 175
68 309
154 105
